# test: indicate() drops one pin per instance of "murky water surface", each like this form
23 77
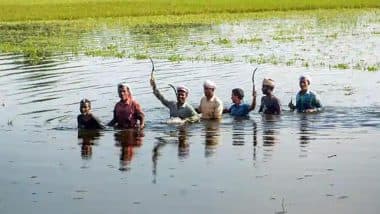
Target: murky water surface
319 163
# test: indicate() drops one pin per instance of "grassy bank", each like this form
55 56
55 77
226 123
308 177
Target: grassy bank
26 10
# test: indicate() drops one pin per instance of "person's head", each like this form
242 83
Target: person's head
124 91
85 106
304 83
182 93
209 88
268 86
237 95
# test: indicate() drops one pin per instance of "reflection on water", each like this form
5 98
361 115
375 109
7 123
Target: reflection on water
128 140
238 134
212 136
88 139
270 130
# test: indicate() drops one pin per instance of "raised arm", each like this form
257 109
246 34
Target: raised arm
157 93
253 104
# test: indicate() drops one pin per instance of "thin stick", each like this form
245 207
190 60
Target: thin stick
253 77
174 89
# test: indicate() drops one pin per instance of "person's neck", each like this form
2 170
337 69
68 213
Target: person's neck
126 101
209 98
239 102
180 104
88 114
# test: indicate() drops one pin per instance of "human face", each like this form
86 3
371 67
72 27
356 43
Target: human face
235 99
85 108
209 92
267 90
123 93
304 85
181 97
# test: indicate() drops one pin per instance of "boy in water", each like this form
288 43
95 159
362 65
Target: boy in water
306 100
127 112
86 120
239 108
269 103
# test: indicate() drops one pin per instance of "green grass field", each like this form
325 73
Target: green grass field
26 10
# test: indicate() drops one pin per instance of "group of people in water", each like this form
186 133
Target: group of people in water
128 113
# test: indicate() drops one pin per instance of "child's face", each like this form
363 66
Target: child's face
304 84
85 108
235 99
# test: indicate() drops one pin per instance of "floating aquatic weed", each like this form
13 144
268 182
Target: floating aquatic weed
222 41
176 58
250 40
199 43
341 66
373 68
109 51
290 62
333 36
140 56
227 59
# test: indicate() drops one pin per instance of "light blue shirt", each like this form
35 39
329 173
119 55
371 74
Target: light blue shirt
239 110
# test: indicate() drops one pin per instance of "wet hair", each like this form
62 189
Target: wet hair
83 102
238 92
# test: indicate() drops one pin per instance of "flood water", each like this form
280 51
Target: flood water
295 163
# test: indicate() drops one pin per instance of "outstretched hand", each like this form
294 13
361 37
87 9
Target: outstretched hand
291 105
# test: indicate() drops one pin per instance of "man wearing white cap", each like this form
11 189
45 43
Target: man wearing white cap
211 107
306 100
269 103
180 108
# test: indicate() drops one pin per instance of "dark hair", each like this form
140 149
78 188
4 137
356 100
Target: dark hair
238 92
84 101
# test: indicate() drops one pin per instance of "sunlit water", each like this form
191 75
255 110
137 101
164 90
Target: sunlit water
319 163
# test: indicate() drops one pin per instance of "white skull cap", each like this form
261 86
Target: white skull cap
209 84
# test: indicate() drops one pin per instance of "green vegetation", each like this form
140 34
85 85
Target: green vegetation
249 41
165 29
341 66
222 41
26 10
373 67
